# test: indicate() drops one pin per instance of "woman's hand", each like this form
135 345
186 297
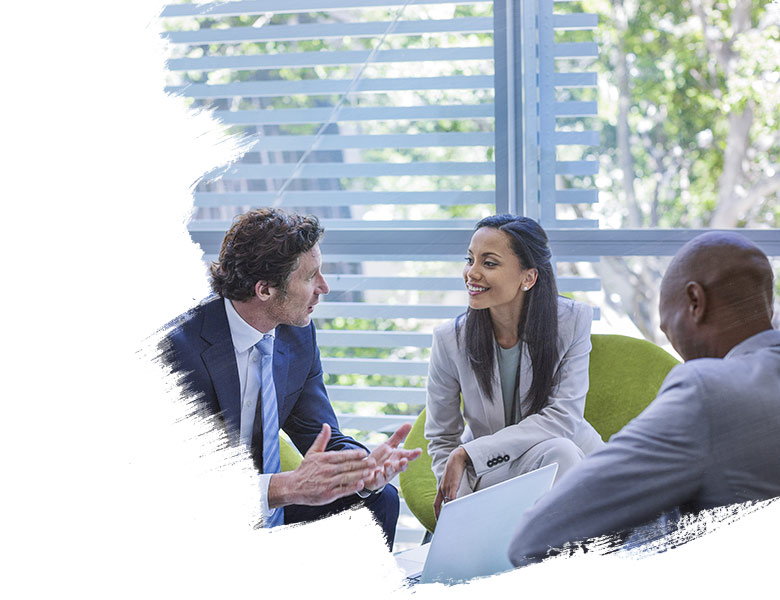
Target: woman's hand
450 481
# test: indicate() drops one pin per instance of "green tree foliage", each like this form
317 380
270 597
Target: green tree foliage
689 102
699 77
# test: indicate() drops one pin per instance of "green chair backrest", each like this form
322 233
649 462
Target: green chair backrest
625 375
289 457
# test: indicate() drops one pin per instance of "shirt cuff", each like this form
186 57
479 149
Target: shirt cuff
265 512
365 492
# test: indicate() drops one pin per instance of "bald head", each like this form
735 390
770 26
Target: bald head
716 293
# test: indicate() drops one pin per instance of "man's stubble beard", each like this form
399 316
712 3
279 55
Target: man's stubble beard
282 316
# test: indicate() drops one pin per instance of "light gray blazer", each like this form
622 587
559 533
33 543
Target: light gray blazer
710 438
450 375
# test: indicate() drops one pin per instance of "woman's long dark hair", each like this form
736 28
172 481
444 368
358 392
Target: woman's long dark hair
538 326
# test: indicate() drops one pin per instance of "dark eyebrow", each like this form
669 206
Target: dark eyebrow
486 254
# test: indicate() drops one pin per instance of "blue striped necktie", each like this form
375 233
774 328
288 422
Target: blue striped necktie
271 462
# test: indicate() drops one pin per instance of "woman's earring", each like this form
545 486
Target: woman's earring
525 289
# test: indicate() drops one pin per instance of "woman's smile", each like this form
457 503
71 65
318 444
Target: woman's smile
474 289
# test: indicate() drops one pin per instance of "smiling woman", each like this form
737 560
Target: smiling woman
518 358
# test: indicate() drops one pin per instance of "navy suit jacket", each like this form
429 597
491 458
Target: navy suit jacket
200 348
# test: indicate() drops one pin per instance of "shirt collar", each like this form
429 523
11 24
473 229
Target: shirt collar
244 335
770 337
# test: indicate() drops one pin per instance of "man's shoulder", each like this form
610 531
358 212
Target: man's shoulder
727 373
195 313
760 352
695 375
182 333
717 385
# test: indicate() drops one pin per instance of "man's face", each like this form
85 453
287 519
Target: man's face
306 283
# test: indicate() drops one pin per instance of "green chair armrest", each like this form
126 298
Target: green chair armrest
418 483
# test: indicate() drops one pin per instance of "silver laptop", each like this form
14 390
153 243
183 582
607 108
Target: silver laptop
473 532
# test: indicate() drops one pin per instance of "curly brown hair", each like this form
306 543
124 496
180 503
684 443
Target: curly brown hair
263 244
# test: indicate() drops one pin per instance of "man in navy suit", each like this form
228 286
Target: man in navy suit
266 283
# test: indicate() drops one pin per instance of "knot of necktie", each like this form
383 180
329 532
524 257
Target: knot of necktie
266 345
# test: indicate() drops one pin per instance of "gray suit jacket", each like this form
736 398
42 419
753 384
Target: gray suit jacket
710 438
450 374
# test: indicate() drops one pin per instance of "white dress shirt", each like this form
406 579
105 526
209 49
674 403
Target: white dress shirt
248 360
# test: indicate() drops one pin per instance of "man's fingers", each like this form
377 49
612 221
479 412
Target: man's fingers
321 441
348 456
381 453
343 483
399 435
393 456
353 458
395 461
352 469
349 483
410 454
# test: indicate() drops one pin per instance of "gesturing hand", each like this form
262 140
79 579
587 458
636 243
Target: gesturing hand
322 477
390 459
450 481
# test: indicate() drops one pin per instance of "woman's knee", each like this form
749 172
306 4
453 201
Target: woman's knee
559 450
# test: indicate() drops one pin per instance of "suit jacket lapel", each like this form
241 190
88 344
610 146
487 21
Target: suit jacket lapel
494 410
281 365
220 361
526 376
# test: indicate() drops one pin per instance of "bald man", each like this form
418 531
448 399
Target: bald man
712 435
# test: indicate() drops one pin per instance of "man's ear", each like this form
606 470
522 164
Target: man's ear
696 300
263 291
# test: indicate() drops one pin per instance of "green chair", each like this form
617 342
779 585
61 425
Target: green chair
418 483
289 457
625 375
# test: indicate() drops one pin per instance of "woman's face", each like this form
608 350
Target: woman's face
493 274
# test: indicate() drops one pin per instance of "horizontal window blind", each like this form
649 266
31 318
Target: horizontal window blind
378 117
